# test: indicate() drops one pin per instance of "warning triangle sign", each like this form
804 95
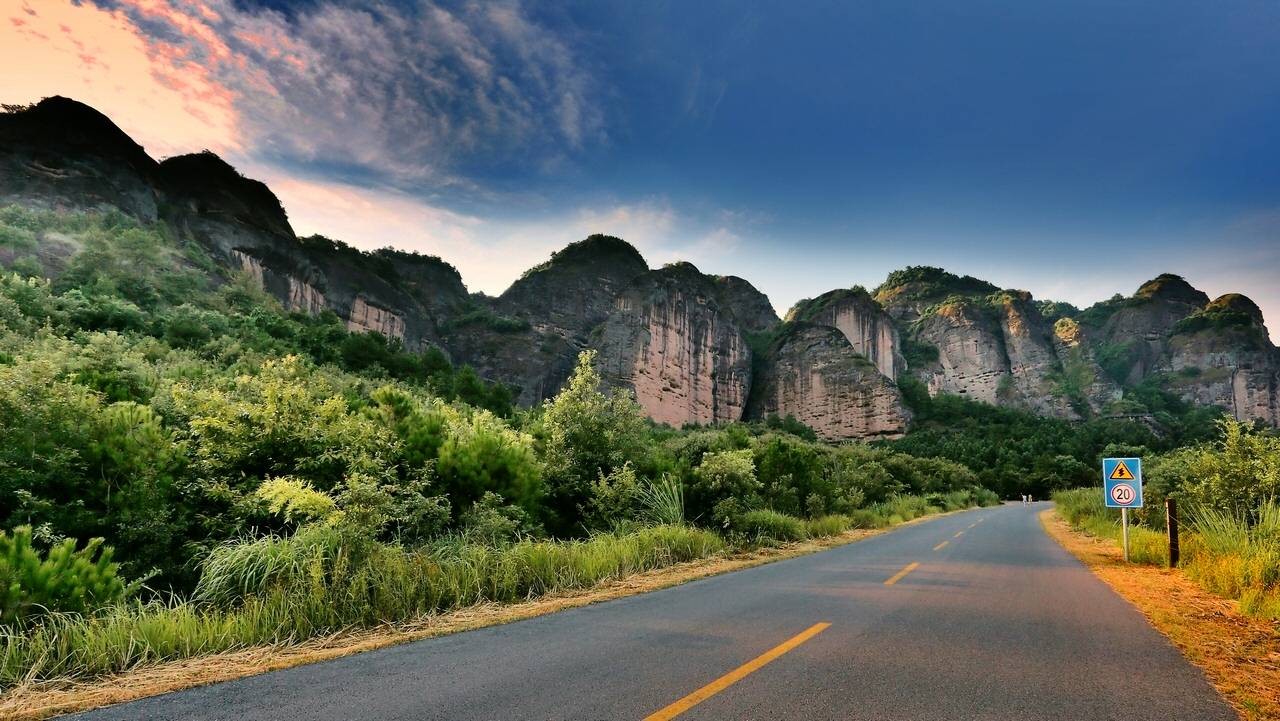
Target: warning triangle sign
1120 473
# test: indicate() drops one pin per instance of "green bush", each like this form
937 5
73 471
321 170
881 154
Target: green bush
765 525
63 580
724 483
586 435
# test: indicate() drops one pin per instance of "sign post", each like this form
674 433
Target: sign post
1122 485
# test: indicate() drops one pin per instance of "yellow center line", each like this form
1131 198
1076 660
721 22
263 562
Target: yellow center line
940 545
971 525
902 573
958 535
733 677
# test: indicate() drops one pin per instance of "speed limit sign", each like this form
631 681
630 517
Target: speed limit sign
1122 479
1122 494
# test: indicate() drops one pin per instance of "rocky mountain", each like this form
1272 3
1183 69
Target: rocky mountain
692 347
818 376
678 346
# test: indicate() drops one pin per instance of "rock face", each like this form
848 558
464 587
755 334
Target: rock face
575 290
1034 366
1141 328
1080 367
546 318
1223 356
64 155
754 312
682 353
817 376
868 328
970 358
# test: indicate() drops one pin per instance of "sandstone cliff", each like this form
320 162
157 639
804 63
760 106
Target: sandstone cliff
971 359
675 336
681 352
531 335
1080 370
870 330
1221 355
64 155
816 375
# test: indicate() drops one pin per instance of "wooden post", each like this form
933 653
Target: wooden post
1171 514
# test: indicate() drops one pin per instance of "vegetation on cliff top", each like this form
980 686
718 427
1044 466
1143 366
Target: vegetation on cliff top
923 282
595 248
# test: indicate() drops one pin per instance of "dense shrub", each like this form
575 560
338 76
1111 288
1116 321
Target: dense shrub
62 580
586 435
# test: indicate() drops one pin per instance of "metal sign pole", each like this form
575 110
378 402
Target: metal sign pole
1124 523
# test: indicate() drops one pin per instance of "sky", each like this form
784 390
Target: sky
1074 150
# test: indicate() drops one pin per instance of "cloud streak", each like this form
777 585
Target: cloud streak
415 95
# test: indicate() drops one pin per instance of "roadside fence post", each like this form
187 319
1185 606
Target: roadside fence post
1171 514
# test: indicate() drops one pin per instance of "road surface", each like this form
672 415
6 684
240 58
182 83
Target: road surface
995 621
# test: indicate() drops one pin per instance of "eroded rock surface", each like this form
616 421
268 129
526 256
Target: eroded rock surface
1141 328
971 361
869 329
817 376
1223 356
671 342
64 155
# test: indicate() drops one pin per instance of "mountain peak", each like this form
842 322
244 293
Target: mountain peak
1168 286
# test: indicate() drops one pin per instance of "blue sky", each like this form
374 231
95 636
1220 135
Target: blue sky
1073 150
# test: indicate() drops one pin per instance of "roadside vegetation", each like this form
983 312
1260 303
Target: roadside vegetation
1228 505
186 468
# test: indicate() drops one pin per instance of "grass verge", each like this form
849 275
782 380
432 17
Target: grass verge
42 699
1240 654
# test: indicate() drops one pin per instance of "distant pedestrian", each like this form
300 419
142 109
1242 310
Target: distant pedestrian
1030 499
1024 499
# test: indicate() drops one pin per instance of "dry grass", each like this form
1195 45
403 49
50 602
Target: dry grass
1240 654
41 700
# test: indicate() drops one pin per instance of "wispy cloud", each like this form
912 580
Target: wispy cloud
412 95
416 95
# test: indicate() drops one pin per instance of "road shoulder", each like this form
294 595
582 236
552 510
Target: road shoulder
1240 655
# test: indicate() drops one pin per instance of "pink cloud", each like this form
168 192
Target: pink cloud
163 95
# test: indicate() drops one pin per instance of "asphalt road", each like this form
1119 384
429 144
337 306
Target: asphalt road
1000 622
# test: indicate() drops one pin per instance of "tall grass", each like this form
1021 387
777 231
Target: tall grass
288 590
1233 558
1226 554
1086 509
322 580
